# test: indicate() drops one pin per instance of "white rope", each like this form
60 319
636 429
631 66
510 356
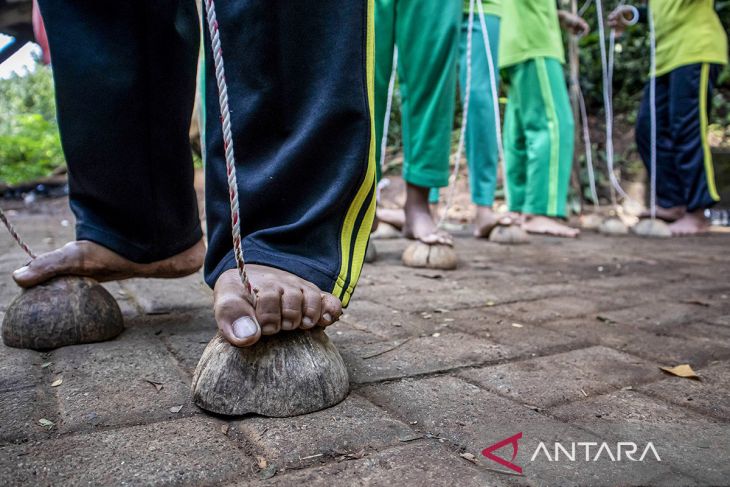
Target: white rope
464 117
220 77
386 121
653 116
495 95
588 147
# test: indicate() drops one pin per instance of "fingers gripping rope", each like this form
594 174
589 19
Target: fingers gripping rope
15 235
220 77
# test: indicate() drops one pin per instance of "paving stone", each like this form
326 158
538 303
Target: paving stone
387 323
571 375
424 463
657 316
105 384
711 396
155 298
696 344
472 418
406 357
519 336
353 427
686 441
191 451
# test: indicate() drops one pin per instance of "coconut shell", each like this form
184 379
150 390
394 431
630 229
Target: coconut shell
591 221
63 311
509 235
386 231
613 226
287 374
440 256
652 228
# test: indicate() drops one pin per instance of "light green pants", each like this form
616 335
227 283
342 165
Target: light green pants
427 35
482 153
538 138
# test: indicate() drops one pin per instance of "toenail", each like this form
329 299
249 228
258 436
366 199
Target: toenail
269 329
307 321
327 317
22 271
244 327
287 325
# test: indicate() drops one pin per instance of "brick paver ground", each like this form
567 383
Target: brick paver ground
558 340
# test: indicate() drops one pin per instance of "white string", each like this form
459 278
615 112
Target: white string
464 117
653 116
386 122
588 147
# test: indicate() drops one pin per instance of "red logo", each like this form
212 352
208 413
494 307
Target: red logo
512 440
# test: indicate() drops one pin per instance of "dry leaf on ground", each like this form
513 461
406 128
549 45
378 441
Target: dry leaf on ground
683 370
46 423
469 457
176 409
57 382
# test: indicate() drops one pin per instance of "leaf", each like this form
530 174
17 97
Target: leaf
176 409
46 423
684 371
224 429
46 365
157 385
57 382
517 325
262 463
469 457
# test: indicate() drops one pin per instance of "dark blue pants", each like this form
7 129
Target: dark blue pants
298 87
685 174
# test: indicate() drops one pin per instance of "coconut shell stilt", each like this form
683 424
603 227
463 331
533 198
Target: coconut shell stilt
63 311
287 374
436 256
652 228
386 231
591 221
509 235
613 226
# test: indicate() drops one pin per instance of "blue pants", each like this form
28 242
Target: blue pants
300 90
481 136
685 174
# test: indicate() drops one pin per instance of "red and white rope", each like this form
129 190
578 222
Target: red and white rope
220 77
15 235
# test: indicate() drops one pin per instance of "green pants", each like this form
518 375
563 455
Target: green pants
538 138
427 33
482 153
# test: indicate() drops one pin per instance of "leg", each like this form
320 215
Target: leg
129 160
515 144
549 130
384 43
306 166
670 193
427 37
690 95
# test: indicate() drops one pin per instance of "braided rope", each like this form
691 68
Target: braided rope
220 77
15 235
388 109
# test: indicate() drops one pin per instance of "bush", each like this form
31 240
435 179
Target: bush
30 146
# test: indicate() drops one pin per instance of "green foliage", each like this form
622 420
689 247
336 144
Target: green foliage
30 146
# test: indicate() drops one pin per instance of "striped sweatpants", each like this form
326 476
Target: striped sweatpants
538 138
300 87
685 173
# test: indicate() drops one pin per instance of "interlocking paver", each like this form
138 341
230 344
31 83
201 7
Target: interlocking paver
353 427
570 375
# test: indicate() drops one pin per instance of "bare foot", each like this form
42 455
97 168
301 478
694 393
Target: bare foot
486 220
543 225
89 259
667 214
419 223
282 301
393 217
693 223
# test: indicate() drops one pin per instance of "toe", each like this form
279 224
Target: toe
291 308
234 312
268 310
43 268
312 308
331 309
